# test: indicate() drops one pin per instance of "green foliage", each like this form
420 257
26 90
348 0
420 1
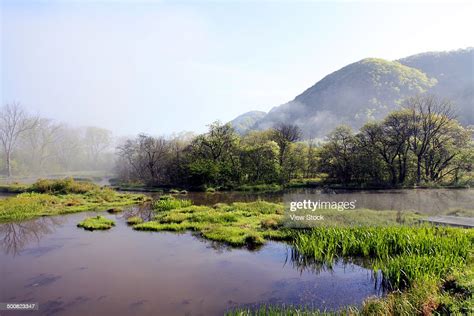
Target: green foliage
421 144
96 223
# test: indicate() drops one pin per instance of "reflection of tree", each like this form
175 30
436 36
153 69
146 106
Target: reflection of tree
15 236
144 210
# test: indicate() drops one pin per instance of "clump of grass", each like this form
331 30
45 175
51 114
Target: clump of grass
134 220
237 224
96 223
210 190
63 186
169 203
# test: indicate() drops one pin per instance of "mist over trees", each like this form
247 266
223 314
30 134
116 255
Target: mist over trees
420 143
37 146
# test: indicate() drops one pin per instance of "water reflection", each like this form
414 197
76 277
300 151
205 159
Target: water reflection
177 274
427 201
14 237
304 263
143 210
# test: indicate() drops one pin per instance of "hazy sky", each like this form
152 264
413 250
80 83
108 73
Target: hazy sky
161 66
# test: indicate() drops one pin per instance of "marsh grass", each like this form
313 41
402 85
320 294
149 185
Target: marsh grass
166 203
29 205
237 224
402 253
269 310
96 223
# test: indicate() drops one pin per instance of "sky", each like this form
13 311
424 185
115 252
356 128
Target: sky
162 67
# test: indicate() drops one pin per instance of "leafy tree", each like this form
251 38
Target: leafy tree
337 154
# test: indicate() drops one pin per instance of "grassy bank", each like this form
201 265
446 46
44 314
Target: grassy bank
55 197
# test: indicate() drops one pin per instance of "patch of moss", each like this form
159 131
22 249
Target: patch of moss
96 223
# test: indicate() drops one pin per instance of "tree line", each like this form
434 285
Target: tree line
420 143
34 145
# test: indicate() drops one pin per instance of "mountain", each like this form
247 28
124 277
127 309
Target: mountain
246 121
455 74
371 88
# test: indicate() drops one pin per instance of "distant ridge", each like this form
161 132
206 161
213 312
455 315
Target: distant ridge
369 89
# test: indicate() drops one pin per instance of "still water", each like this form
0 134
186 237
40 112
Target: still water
425 201
70 271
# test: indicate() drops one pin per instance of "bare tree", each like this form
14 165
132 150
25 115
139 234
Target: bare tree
146 156
283 135
40 142
97 140
14 121
429 117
